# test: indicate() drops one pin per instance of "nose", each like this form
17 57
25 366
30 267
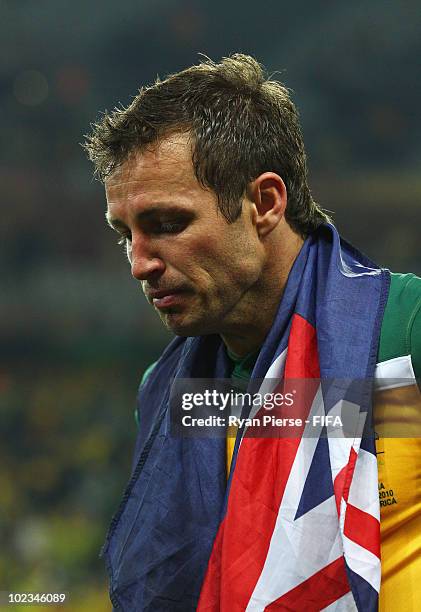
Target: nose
144 262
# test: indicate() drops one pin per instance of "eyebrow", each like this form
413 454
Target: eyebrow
150 213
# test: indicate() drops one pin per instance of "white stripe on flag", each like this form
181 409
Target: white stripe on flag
362 562
298 548
339 446
364 491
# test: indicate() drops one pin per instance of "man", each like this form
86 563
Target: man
206 184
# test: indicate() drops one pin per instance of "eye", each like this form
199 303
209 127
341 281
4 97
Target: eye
169 228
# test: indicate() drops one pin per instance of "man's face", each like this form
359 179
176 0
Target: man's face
197 270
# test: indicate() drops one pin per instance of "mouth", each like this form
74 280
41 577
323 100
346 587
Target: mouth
165 298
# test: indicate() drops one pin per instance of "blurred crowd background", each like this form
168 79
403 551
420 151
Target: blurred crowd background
76 332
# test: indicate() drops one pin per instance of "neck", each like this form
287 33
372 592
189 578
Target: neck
256 313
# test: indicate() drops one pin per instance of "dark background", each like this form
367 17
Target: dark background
76 333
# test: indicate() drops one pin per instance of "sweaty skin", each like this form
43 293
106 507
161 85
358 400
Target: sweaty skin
202 274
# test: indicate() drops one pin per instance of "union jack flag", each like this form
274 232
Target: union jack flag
301 529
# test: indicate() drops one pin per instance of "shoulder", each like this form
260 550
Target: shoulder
401 327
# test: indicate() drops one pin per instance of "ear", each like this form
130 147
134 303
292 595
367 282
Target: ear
269 195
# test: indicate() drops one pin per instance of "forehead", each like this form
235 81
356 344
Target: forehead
164 167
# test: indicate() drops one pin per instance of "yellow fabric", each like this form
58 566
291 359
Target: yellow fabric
231 434
399 466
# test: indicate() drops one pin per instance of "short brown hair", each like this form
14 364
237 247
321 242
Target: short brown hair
241 124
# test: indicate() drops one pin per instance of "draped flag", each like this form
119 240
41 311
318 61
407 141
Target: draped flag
295 536
297 526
